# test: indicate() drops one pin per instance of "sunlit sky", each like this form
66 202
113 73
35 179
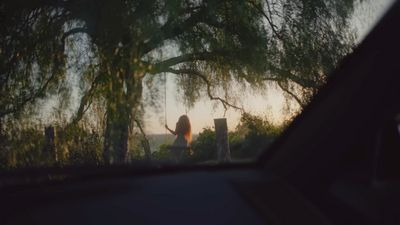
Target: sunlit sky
270 104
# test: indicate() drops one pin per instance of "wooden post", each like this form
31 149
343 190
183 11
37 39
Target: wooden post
1 128
221 134
49 143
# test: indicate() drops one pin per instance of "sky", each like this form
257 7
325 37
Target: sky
270 104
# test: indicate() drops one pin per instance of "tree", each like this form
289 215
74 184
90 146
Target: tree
127 43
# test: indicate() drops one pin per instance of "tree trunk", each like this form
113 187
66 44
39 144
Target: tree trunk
122 103
116 133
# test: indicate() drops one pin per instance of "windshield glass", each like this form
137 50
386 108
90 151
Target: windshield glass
91 82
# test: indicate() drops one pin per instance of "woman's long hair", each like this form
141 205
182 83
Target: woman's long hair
183 127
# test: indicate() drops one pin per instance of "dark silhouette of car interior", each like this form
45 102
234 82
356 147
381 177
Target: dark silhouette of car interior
337 163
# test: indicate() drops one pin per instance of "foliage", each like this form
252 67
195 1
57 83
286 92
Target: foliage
163 154
204 147
24 145
252 135
21 147
136 147
114 47
77 146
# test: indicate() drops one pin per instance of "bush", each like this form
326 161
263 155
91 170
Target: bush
22 148
252 135
257 134
204 147
163 153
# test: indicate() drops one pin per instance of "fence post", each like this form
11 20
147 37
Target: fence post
221 136
49 143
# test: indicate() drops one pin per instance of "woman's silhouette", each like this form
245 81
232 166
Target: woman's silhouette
183 133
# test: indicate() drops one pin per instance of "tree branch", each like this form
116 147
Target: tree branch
170 30
278 81
297 99
165 65
74 31
306 83
224 102
269 20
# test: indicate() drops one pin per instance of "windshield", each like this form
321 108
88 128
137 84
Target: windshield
164 82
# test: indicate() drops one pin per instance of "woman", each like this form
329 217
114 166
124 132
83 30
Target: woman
183 133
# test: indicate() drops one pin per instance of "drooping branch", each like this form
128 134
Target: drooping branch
86 101
145 141
284 74
18 106
197 73
270 11
295 97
